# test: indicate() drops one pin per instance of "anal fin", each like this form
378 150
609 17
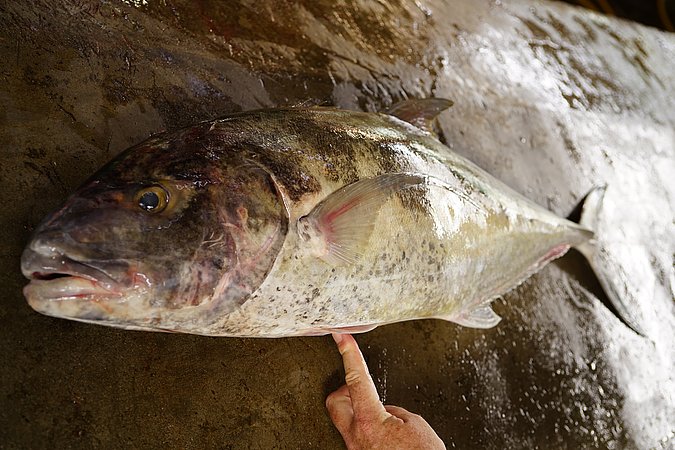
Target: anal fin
481 317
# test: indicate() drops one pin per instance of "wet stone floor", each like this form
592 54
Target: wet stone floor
551 99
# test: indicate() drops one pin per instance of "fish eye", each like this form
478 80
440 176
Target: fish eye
152 199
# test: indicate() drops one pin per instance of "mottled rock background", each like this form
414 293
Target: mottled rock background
551 99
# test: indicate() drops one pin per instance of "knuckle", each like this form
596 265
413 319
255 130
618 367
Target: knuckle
347 343
353 377
416 419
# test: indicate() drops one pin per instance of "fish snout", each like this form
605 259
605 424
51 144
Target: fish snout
63 285
45 260
46 243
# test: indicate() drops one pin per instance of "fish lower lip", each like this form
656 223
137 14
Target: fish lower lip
66 287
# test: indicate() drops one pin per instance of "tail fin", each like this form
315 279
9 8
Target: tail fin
590 219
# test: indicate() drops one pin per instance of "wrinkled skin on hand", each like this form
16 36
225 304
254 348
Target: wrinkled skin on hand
362 420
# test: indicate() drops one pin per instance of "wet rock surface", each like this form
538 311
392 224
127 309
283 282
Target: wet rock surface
551 99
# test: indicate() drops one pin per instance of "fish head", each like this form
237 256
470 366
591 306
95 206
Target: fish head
169 236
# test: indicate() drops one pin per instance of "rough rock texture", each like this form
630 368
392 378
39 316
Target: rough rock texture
551 99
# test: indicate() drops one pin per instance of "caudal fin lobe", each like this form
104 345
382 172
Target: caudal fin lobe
590 219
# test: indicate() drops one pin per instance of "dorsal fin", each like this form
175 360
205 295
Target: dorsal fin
308 103
420 112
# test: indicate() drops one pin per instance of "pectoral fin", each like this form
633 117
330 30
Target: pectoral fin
338 229
481 317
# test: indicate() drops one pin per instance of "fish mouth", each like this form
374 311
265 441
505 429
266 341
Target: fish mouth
58 277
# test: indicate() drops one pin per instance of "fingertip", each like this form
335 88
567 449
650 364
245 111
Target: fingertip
344 342
337 337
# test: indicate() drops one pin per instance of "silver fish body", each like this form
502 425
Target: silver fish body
368 220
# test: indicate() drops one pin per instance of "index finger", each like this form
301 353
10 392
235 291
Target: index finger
365 400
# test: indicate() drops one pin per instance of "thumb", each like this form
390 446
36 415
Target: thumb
339 405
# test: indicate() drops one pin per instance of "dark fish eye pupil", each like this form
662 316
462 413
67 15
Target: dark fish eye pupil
149 201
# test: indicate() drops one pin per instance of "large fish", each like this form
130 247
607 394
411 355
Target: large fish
290 222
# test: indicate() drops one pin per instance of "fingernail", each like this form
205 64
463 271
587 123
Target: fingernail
337 338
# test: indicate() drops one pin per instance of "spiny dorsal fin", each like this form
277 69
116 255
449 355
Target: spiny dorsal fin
338 229
420 112
308 103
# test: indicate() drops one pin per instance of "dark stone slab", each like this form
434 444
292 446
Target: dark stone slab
551 99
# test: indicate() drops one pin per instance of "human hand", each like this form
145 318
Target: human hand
362 420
